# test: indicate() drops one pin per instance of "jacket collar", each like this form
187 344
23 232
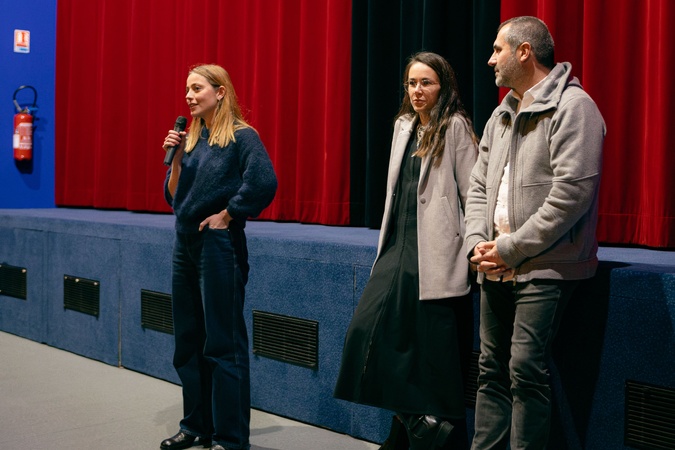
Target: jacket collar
549 97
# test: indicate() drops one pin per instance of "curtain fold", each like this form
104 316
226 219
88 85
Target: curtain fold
621 52
120 83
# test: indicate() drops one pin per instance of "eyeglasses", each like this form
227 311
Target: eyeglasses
424 82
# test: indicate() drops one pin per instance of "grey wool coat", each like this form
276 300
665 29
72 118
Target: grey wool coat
441 196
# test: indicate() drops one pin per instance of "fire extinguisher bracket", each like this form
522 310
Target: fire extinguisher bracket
25 109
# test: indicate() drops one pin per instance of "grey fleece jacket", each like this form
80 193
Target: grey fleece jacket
555 161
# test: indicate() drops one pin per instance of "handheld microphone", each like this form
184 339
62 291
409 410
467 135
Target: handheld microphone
178 126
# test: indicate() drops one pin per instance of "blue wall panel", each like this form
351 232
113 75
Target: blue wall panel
28 185
146 266
93 258
24 248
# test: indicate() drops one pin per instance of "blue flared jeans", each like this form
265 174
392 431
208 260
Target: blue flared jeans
517 325
210 270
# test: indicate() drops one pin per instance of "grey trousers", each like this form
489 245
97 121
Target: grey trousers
517 325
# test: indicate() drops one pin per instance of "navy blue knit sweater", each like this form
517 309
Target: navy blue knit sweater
238 177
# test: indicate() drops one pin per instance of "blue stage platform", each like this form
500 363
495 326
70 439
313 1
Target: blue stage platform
619 329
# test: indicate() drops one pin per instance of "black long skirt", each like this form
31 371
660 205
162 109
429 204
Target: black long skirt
400 353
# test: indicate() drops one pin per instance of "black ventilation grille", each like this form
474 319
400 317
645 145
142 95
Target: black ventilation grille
288 339
81 294
650 416
156 311
471 384
13 281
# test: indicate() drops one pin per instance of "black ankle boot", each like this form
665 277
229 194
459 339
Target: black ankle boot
398 436
459 437
427 432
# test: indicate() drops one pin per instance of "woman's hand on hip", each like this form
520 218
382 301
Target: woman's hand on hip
220 221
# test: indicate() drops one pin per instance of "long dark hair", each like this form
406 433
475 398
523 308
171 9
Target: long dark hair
449 103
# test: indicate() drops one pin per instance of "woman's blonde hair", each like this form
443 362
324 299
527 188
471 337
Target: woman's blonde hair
227 118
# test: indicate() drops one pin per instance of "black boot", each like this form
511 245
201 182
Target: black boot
398 436
459 437
427 432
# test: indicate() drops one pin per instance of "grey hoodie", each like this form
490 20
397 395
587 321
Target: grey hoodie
555 163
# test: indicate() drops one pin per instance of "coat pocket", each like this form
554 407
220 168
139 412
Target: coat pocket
455 220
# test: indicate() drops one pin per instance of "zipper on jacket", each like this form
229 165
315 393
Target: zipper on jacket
506 125
515 135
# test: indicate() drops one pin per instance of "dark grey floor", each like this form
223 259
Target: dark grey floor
53 399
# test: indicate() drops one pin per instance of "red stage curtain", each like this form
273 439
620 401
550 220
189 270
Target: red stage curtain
120 84
622 52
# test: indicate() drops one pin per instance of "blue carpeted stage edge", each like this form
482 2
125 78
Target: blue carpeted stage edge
619 328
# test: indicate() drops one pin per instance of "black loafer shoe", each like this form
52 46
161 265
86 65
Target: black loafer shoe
183 440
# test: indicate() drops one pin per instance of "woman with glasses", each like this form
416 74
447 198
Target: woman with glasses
407 346
220 176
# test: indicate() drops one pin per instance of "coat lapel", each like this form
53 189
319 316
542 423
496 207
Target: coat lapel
397 154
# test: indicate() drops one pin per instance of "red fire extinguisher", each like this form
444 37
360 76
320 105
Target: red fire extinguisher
23 128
